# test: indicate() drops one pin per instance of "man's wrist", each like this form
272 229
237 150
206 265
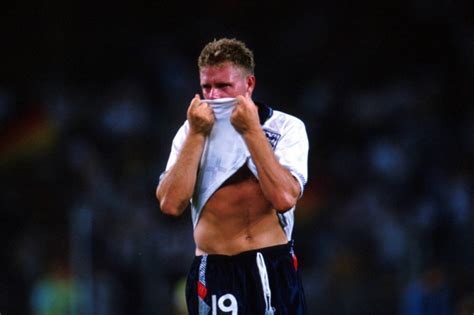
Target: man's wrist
197 135
252 133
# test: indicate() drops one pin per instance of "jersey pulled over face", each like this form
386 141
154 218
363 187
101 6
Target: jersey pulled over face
225 80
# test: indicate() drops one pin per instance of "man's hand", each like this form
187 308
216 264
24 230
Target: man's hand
244 117
200 117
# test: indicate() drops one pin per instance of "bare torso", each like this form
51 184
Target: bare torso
237 218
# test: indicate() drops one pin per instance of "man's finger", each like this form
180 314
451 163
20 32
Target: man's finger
196 100
240 99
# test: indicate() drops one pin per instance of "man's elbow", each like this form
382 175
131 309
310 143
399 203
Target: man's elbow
171 211
170 208
284 203
167 206
284 199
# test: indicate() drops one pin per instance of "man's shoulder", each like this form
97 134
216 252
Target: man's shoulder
280 120
284 115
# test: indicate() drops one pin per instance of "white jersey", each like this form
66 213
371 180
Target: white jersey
287 136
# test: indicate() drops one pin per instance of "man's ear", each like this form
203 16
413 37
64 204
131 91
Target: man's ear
250 83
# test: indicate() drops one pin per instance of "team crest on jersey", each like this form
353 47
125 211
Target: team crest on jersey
272 137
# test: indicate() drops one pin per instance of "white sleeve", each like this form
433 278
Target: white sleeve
292 151
176 146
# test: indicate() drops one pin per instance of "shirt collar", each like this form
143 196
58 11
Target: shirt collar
264 112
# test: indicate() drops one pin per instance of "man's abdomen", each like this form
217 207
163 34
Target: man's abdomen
237 218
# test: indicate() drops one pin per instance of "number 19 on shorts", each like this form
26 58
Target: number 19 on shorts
226 303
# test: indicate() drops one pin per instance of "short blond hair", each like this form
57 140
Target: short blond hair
222 50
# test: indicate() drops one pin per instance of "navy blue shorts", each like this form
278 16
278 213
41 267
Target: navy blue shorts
263 281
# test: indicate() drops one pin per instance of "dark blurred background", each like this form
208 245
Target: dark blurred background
91 95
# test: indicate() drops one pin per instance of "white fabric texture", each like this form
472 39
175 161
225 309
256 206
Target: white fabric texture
225 152
267 292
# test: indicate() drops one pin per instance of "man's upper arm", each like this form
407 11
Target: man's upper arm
292 151
176 146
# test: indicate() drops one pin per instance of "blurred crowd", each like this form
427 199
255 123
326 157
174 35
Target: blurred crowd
385 222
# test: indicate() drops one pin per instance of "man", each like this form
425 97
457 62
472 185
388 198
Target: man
243 172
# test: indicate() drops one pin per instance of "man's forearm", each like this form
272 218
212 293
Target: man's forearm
277 183
177 187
